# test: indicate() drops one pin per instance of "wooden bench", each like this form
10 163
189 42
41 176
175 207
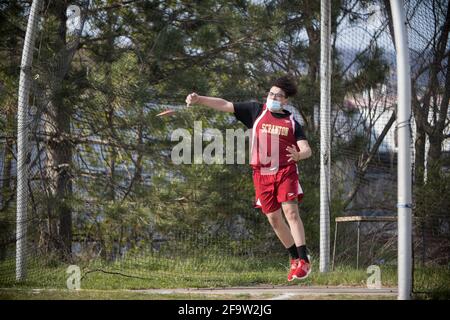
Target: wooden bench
358 220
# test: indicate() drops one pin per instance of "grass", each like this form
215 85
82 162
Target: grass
64 294
202 272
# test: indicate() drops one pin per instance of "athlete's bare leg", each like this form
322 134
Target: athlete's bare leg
281 228
290 209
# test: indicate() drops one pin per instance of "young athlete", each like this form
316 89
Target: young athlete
278 142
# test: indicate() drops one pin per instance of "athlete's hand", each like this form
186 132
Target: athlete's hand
192 98
293 154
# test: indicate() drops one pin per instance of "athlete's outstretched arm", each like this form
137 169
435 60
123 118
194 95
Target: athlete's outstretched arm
218 104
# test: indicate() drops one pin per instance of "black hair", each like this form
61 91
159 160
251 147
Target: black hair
287 84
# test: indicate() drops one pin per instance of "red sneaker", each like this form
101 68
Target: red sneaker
294 267
303 270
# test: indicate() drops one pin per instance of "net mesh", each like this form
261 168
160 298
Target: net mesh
105 195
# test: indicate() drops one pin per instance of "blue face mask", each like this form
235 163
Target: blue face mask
273 105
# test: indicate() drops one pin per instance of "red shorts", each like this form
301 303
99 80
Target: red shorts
273 189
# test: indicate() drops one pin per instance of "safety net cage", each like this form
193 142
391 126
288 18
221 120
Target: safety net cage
124 198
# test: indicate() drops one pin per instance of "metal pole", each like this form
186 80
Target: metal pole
334 245
358 226
325 108
404 151
22 141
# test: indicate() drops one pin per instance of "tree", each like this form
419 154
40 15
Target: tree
10 42
431 86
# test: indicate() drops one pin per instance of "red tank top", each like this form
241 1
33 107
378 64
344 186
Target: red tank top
270 138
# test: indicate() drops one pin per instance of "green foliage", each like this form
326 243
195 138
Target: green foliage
132 60
432 213
373 70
